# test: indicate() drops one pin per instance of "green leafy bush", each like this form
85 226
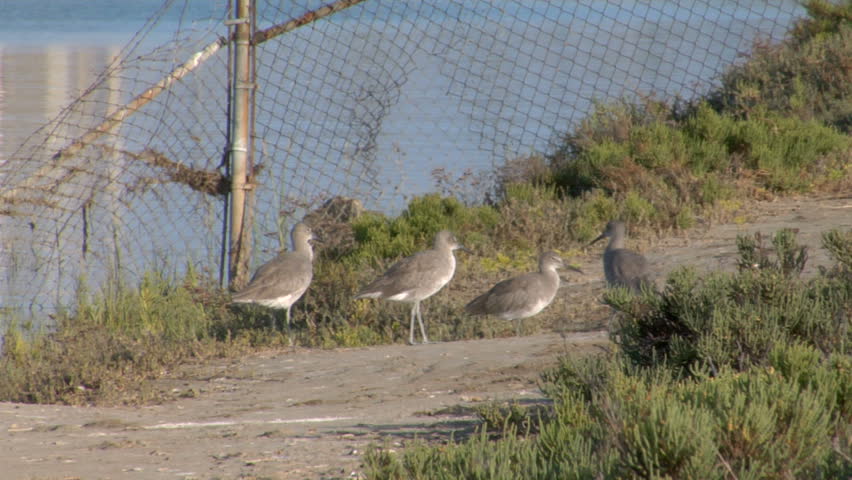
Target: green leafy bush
104 349
665 160
809 76
380 238
775 422
735 320
697 390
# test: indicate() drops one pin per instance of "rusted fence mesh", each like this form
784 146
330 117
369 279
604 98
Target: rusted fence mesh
366 102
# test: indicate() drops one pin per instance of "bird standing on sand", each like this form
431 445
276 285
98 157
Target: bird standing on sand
522 296
280 282
623 267
416 278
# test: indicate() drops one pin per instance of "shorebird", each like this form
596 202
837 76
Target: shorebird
522 296
281 281
623 267
416 278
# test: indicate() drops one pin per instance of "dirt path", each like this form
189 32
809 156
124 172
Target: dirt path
310 413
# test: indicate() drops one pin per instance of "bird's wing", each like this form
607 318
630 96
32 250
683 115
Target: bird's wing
631 266
407 274
508 295
287 273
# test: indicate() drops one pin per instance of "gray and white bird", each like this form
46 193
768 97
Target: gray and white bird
280 282
623 267
416 278
522 296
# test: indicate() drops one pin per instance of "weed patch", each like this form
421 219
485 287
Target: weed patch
663 170
682 398
112 342
809 76
735 321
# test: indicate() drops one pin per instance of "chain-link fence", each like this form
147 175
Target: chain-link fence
365 103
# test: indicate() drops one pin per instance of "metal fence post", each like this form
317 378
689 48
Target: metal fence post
240 232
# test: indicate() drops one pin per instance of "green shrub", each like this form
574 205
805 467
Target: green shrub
743 375
780 122
381 238
768 424
157 307
531 217
590 212
809 76
839 245
104 349
658 437
773 422
790 257
479 458
734 320
665 161
510 417
575 440
825 19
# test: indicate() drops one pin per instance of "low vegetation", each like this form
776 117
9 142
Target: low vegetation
807 77
106 346
778 124
661 167
743 375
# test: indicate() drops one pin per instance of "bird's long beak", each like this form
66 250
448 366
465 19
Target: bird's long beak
465 249
596 240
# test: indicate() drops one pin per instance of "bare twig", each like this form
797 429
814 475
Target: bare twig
727 465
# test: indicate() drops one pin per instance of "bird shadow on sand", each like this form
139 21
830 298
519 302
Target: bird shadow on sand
458 424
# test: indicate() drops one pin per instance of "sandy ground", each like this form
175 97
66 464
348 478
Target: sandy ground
310 413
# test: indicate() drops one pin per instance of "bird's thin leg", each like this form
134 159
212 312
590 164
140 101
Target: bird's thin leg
422 327
411 328
518 328
273 320
287 316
